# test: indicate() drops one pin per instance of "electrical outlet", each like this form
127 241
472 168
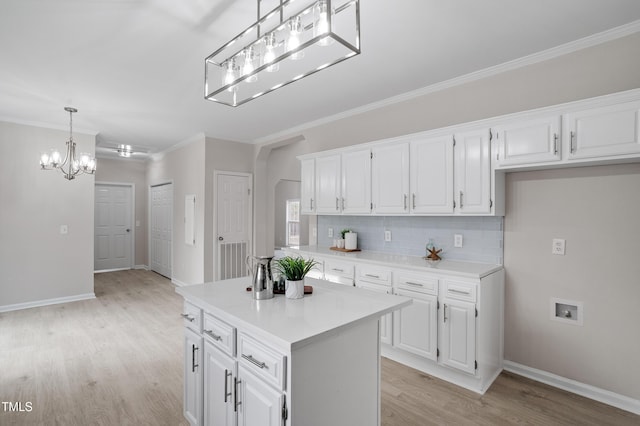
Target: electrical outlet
557 246
457 240
387 236
330 232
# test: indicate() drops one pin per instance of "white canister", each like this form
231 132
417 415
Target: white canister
351 240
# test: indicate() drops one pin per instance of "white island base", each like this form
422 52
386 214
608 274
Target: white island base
311 361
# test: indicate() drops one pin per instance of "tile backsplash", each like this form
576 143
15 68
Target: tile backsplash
482 236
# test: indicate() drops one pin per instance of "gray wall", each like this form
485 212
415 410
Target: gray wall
596 210
131 172
36 262
606 68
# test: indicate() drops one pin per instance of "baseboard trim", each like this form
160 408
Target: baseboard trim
101 271
145 267
46 302
583 389
178 283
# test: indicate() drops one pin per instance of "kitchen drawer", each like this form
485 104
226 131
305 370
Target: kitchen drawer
372 274
267 363
192 317
459 290
339 272
221 334
414 281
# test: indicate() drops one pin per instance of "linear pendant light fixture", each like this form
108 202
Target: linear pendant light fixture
293 40
74 166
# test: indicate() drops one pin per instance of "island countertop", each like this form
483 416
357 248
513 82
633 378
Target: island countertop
292 322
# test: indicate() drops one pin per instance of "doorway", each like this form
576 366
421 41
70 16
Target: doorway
161 235
234 216
113 233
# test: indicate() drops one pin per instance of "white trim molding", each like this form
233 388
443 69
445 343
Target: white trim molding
178 283
46 302
143 267
582 389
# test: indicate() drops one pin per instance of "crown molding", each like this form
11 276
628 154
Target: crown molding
545 55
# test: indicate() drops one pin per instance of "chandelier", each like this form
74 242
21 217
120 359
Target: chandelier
74 166
291 41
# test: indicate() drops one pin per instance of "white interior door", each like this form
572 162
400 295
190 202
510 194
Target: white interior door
161 229
233 224
113 230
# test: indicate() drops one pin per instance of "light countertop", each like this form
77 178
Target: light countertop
292 322
444 267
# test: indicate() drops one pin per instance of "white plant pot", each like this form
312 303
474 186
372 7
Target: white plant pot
294 289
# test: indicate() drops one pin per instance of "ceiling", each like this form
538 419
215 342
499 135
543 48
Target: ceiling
134 68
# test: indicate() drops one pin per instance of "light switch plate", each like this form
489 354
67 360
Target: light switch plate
558 246
64 229
457 240
330 232
387 236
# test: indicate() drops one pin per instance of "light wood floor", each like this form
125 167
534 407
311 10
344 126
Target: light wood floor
117 360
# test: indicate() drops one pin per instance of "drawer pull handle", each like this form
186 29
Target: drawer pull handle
338 270
372 276
254 361
213 335
187 317
227 394
445 313
414 284
453 290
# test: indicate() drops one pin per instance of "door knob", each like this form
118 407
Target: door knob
128 230
220 238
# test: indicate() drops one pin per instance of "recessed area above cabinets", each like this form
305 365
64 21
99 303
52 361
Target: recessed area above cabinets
459 170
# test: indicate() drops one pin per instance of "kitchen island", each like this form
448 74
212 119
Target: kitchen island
310 361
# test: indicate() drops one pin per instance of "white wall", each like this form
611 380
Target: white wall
131 172
37 263
606 68
185 167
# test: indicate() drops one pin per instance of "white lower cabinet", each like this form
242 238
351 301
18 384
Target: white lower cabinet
415 327
192 377
257 402
378 280
458 335
220 370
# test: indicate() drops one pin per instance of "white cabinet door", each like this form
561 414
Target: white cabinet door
356 182
307 186
386 321
602 132
458 335
258 403
390 179
472 172
219 371
328 184
528 142
192 377
431 175
415 327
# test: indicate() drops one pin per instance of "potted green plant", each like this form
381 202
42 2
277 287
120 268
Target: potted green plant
294 270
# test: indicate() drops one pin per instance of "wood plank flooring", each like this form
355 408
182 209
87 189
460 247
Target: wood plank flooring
117 360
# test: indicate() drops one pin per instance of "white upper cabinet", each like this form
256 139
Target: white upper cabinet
431 175
390 179
602 132
308 186
473 172
356 182
527 142
328 184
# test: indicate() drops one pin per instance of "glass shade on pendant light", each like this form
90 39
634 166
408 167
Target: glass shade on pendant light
321 22
314 34
295 35
270 52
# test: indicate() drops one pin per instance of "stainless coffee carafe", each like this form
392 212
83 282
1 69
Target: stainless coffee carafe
260 267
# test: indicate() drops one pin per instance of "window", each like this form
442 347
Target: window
293 222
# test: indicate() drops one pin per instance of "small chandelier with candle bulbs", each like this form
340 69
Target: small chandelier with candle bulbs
70 166
290 41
